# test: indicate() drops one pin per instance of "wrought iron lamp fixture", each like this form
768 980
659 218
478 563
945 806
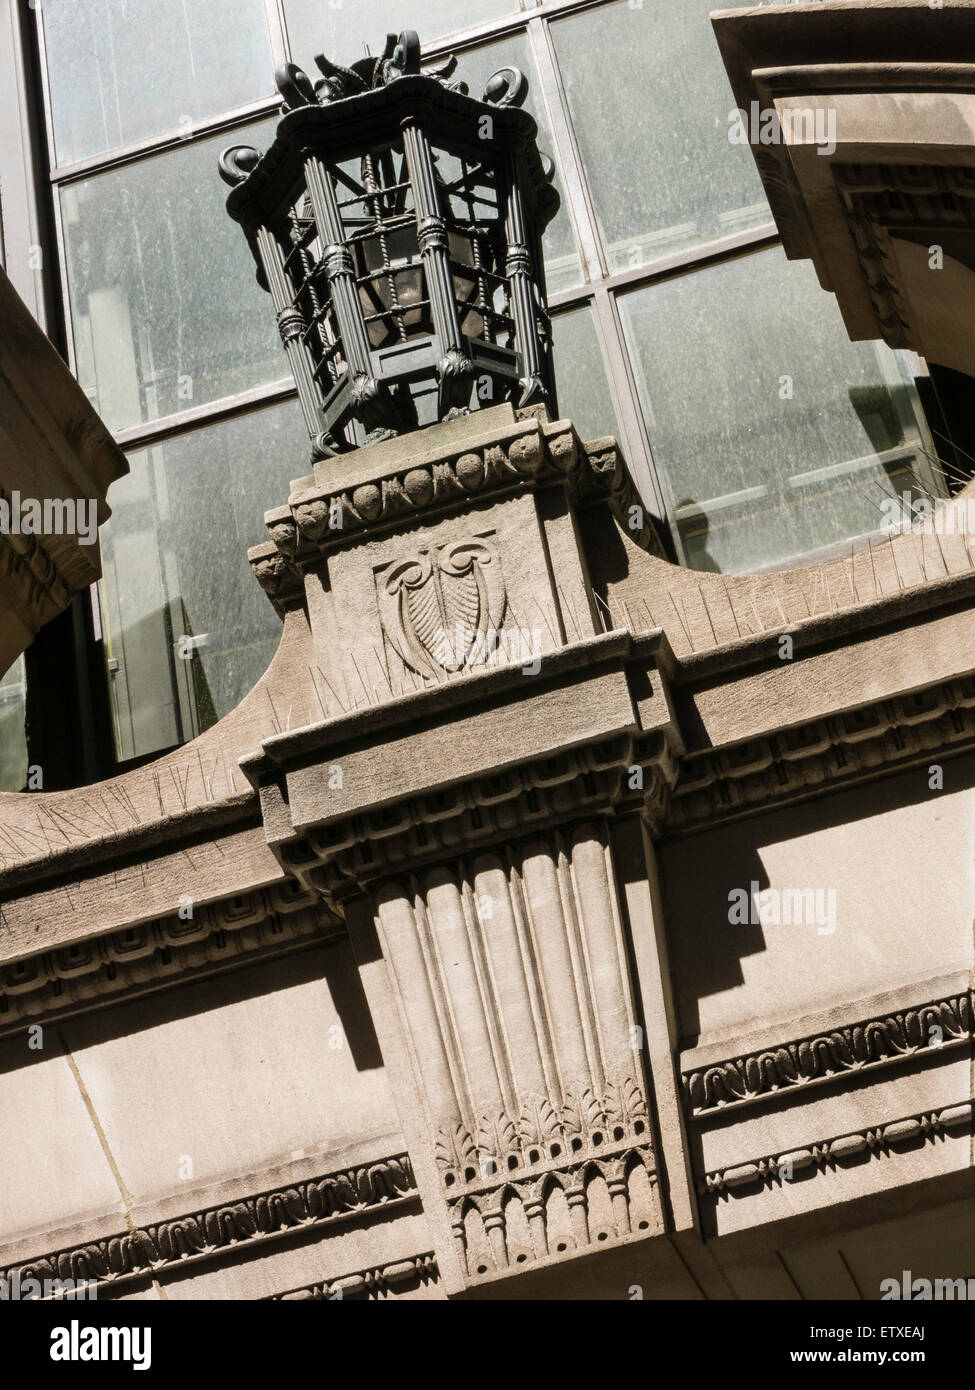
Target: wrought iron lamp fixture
396 221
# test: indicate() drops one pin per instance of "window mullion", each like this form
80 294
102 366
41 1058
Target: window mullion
277 32
634 441
24 252
577 194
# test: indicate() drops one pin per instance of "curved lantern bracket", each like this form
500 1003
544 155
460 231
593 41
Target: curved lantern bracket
236 162
295 86
507 87
336 82
404 60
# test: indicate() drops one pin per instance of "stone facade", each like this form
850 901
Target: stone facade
416 975
550 921
884 208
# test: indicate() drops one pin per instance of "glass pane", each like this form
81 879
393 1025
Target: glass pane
175 567
580 378
650 103
13 731
122 70
164 305
346 30
562 266
772 433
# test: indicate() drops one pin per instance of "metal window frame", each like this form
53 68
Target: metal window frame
24 221
598 287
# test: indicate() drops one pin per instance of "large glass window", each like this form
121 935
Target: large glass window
165 309
121 70
649 101
187 629
772 434
583 391
13 734
345 30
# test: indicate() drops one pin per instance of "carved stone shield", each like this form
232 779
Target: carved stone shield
440 610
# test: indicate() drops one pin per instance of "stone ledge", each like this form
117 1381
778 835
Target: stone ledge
773 1169
823 755
236 1226
791 1068
160 954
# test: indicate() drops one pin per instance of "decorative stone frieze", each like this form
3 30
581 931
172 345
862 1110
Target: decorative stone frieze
162 1247
325 512
165 951
811 758
374 1284
848 1051
828 1154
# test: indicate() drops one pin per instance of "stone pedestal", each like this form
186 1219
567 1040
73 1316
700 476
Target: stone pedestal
460 811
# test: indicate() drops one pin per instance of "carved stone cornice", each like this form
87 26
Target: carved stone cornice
784 1068
375 1283
829 1154
888 175
33 571
162 952
820 756
933 205
870 195
238 1226
53 449
628 773
324 515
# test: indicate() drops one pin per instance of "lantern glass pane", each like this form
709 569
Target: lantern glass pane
468 186
376 204
392 291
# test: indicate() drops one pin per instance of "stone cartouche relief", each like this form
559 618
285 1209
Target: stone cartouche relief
442 605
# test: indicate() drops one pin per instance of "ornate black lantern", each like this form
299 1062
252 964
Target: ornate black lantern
395 221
